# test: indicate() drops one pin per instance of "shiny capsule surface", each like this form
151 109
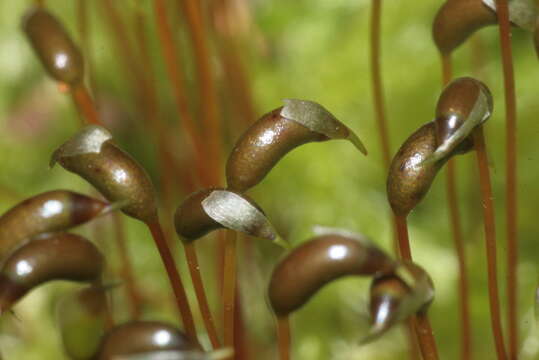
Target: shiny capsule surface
92 155
457 20
262 146
210 209
60 256
81 318
54 47
464 104
140 337
396 296
50 211
319 261
409 177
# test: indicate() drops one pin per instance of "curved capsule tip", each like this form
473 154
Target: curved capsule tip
316 118
395 297
88 140
234 212
454 107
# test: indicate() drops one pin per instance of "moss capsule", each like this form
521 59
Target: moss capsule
59 256
275 134
396 296
457 20
138 337
211 209
59 55
463 105
92 155
410 177
319 261
51 211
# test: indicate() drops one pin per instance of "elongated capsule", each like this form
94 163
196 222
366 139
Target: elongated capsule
92 155
318 261
81 317
59 256
50 211
463 105
275 134
138 337
59 55
395 297
410 177
457 20
210 209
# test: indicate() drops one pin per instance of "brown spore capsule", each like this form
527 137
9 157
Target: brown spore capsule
275 134
51 211
82 321
456 20
410 177
58 53
396 296
211 209
463 105
59 256
92 155
310 266
140 337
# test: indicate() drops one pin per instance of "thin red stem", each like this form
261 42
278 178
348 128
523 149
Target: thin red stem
456 230
169 50
283 337
207 90
85 104
490 242
404 241
194 269
511 175
174 278
376 80
229 287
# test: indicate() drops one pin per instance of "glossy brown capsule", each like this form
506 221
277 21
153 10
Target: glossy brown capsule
51 211
92 155
141 337
59 55
463 105
81 318
457 20
277 133
310 266
410 177
210 209
59 256
396 296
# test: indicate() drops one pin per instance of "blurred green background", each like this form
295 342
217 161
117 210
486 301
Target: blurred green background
315 50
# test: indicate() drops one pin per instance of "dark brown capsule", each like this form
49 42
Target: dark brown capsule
457 20
82 321
310 266
59 55
277 133
59 256
210 209
92 155
51 211
463 105
410 177
397 296
141 337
